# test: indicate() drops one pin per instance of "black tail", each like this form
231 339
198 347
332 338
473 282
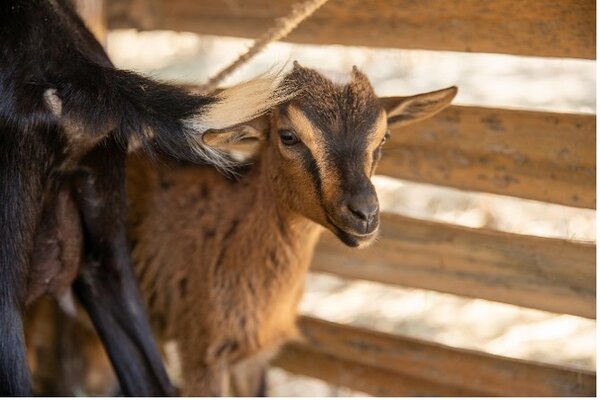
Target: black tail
162 115
49 58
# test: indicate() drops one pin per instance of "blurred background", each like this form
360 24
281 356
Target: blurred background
545 84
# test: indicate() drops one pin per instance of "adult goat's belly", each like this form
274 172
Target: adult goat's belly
56 258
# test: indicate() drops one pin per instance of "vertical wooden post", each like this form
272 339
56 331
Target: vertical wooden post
93 13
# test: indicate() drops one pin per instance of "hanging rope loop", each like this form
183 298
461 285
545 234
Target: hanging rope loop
283 27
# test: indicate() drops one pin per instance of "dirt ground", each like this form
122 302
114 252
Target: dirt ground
483 79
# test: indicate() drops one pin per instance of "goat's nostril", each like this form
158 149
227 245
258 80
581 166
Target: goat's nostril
358 212
364 211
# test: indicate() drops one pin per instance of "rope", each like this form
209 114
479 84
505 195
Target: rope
283 26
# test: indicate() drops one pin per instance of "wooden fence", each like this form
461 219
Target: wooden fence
543 156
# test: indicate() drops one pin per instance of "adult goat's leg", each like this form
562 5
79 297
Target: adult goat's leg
20 191
106 285
15 379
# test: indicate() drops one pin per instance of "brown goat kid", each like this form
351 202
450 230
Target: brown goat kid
222 262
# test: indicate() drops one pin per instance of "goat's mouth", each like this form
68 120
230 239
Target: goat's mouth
351 238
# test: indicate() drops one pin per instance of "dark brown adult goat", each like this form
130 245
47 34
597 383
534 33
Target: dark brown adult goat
66 118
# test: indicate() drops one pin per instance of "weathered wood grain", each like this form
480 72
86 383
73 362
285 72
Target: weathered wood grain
542 156
547 274
549 28
382 364
305 360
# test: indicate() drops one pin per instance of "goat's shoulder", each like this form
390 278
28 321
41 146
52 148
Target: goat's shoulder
184 202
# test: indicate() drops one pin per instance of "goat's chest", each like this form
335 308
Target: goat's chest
260 314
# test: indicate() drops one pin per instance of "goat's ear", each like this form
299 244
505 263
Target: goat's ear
255 129
406 110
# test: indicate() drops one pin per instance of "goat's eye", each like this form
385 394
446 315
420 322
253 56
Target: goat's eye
385 138
288 137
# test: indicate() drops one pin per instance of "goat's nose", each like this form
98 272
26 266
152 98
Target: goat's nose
363 207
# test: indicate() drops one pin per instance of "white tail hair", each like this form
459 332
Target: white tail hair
234 106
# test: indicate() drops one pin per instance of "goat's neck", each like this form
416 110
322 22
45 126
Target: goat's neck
291 229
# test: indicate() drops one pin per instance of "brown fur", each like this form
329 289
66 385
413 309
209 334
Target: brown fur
188 276
221 261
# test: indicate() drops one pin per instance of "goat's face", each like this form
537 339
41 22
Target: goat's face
324 145
328 141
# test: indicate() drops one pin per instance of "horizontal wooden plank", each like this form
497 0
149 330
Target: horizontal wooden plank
547 274
383 364
542 156
305 360
549 28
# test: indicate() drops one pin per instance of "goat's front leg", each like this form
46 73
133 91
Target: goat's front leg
20 193
249 377
200 378
15 379
106 285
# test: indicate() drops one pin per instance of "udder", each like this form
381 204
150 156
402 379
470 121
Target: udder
58 245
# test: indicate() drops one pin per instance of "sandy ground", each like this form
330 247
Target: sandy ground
483 79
